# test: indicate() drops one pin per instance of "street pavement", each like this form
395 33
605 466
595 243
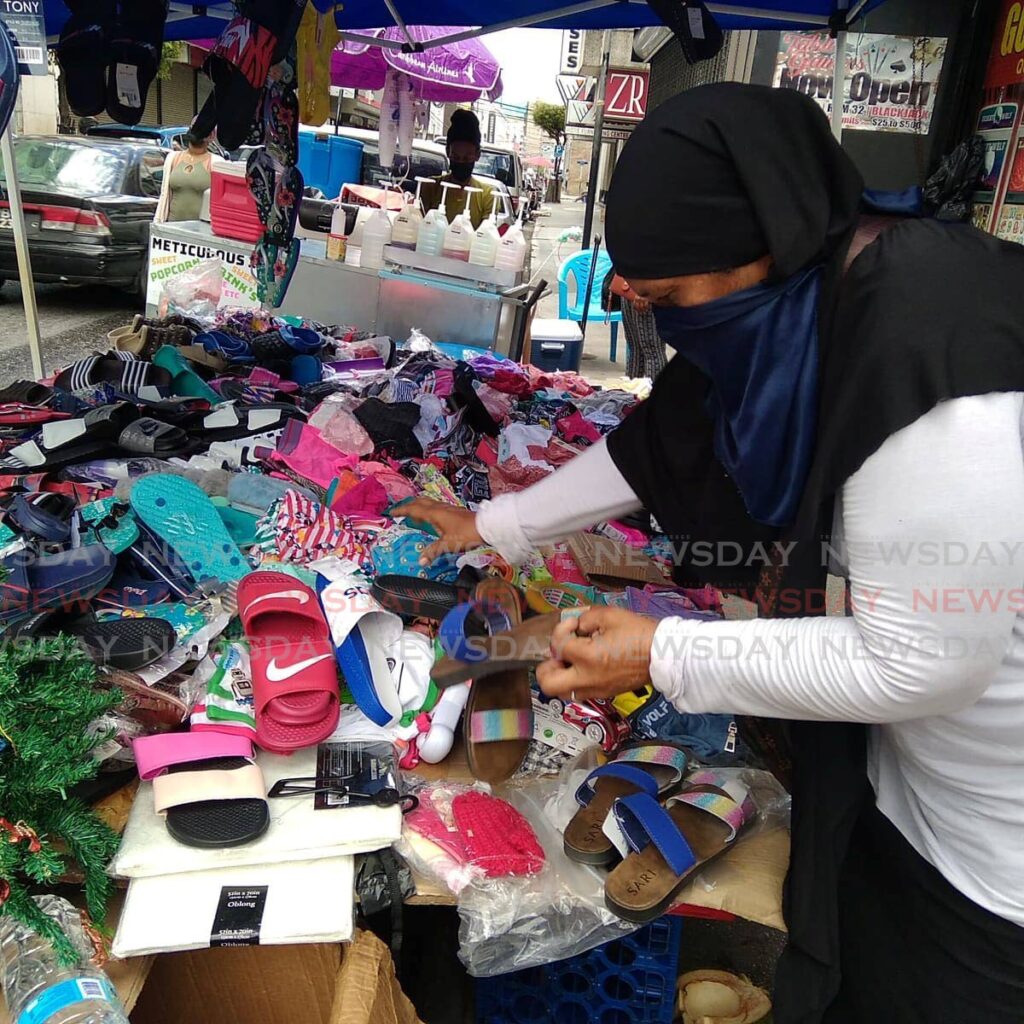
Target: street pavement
74 321
555 220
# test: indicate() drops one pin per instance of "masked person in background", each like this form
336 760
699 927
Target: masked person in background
858 380
463 145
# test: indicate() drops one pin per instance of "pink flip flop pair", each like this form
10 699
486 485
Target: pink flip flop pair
294 672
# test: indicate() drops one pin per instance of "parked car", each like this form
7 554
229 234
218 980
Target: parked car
89 203
166 137
503 163
506 212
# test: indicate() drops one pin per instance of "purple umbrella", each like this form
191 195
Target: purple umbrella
455 72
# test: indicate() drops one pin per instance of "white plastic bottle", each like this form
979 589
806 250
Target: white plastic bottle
512 247
406 231
458 239
338 238
376 234
434 225
484 250
38 988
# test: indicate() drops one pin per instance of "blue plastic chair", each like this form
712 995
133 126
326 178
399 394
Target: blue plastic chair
577 266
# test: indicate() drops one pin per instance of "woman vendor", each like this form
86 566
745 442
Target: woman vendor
844 393
462 144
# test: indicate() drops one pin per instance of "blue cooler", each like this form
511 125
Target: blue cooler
556 345
329 161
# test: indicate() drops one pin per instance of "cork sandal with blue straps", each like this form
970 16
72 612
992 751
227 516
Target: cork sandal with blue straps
653 768
663 846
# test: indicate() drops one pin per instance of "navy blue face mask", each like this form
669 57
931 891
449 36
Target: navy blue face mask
759 350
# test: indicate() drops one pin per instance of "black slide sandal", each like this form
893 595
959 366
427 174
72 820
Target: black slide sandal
215 824
206 785
129 643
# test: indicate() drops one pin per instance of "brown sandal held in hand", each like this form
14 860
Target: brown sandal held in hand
499 713
668 844
653 768
524 646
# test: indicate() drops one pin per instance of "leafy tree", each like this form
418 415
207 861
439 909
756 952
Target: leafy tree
169 56
550 119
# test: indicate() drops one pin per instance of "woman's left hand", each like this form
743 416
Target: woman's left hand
604 652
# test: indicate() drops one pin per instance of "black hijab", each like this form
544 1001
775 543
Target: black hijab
927 312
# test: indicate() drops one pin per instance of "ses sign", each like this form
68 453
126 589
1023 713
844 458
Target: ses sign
572 51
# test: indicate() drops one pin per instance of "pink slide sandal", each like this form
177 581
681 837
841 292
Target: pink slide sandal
294 673
206 785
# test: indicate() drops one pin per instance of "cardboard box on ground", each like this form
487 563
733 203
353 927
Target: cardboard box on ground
327 983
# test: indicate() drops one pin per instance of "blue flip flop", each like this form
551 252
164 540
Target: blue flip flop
180 512
362 633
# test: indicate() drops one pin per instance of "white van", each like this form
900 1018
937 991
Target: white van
503 163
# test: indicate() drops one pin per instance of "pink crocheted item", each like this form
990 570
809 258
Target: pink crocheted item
498 839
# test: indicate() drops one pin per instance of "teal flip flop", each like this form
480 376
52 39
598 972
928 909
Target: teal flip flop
180 512
241 525
114 524
185 382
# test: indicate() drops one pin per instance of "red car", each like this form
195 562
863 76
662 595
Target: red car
598 720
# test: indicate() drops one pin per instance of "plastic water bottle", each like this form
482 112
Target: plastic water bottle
485 242
39 990
376 234
511 253
458 237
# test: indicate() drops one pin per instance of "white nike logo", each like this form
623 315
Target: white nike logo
295 595
279 675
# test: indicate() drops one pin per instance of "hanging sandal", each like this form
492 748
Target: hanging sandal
82 54
207 786
663 847
655 769
134 58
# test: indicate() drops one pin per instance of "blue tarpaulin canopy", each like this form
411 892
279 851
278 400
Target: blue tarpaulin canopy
183 23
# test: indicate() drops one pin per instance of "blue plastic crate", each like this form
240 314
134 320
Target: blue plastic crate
628 981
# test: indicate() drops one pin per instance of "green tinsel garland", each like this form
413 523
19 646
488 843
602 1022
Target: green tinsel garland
47 701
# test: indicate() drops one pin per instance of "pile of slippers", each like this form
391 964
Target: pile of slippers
213 506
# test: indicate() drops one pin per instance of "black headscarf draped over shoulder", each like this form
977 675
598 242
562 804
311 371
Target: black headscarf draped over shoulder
715 178
724 174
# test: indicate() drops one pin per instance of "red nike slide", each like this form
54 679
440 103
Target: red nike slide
294 672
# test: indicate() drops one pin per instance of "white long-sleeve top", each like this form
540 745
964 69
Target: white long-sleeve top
931 530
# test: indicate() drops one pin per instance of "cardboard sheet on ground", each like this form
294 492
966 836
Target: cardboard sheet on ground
270 904
297 832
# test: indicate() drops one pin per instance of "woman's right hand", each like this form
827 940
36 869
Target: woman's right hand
456 527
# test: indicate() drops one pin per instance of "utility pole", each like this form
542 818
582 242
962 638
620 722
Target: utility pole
595 152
